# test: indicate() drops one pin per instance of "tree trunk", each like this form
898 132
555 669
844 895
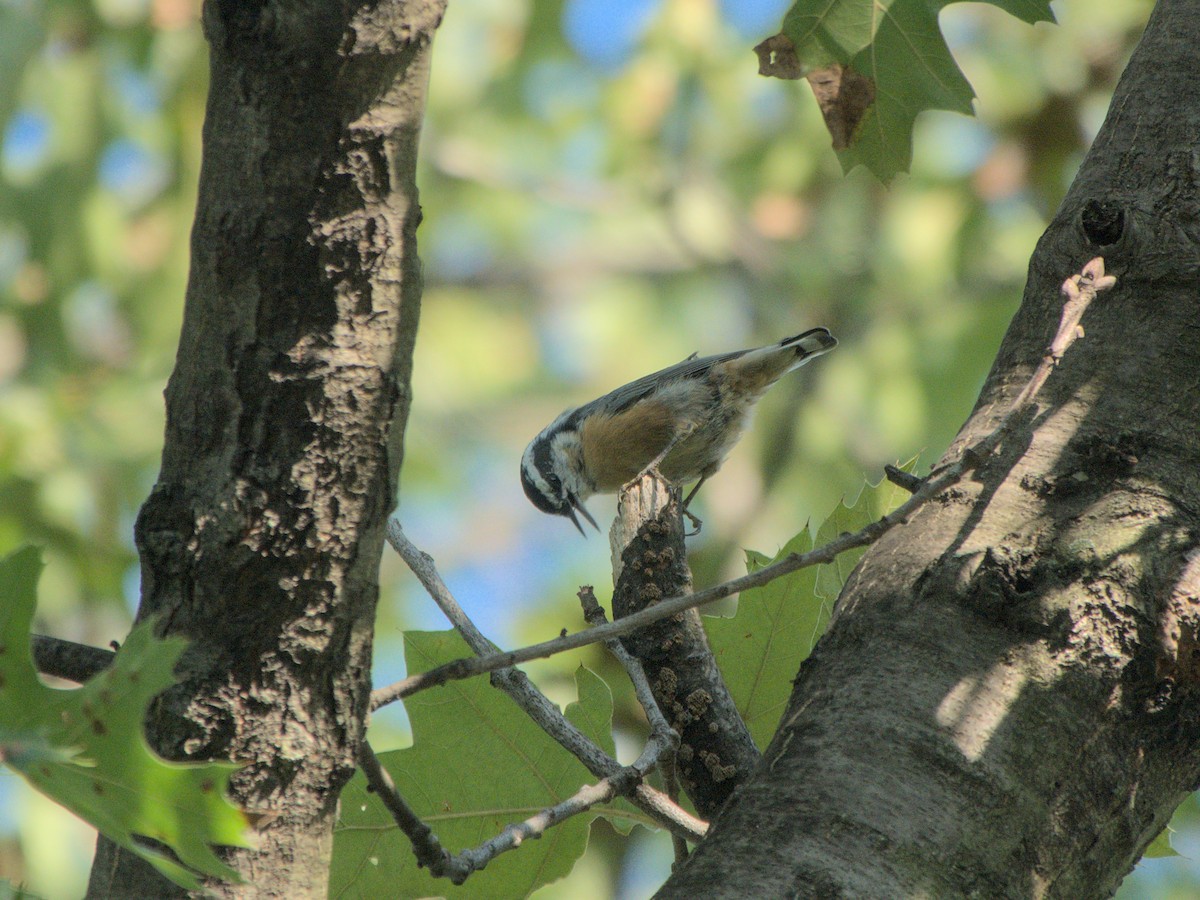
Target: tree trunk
1005 704
285 414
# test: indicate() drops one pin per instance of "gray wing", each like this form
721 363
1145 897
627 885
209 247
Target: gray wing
625 396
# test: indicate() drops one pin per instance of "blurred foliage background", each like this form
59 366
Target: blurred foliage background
608 187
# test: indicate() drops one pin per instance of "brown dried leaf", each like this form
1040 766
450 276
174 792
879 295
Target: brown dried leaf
777 58
844 97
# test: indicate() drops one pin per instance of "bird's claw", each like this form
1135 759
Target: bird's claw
633 482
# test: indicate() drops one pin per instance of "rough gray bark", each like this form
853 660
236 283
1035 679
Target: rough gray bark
285 414
1006 703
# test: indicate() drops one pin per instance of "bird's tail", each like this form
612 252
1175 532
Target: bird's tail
813 342
752 372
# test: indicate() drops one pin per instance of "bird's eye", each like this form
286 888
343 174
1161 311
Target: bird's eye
544 489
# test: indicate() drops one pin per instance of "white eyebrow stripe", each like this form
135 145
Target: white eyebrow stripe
532 473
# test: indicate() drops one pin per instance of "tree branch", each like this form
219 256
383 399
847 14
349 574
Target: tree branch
1088 283
593 613
470 667
426 847
661 743
716 751
535 704
984 712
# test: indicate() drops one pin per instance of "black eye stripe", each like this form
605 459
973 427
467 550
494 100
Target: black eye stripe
536 497
541 458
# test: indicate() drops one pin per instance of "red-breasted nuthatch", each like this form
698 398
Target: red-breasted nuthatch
681 421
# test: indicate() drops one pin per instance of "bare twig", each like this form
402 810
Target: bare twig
544 713
458 867
661 743
534 827
902 479
593 613
1080 289
423 566
467 668
426 847
588 796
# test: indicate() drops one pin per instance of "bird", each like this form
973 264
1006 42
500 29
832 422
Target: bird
679 422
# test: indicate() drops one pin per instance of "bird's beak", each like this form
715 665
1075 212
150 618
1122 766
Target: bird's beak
576 505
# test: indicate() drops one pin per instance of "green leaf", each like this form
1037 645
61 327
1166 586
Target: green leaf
884 62
10 891
873 501
84 748
1182 820
477 764
1161 845
760 648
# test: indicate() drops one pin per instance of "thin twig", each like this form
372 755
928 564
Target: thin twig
661 743
535 826
588 796
593 613
426 847
902 479
468 667
1080 290
458 867
544 713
